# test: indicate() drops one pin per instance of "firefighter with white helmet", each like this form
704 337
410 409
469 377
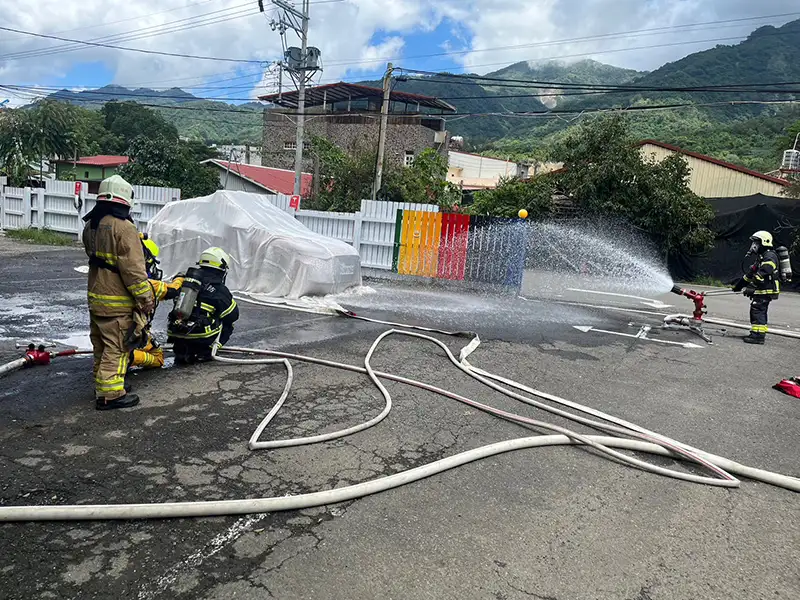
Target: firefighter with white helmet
204 310
119 293
761 284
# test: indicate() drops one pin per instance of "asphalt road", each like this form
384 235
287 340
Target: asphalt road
557 523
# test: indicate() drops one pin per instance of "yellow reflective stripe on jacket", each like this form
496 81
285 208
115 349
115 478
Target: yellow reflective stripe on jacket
140 289
107 256
103 300
228 310
207 307
769 262
204 334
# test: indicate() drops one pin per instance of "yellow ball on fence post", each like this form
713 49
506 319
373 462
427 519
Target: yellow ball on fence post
522 214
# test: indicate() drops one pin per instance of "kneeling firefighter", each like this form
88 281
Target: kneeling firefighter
204 310
149 353
761 284
119 294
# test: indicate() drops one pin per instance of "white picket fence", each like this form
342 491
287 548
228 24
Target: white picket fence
53 207
371 230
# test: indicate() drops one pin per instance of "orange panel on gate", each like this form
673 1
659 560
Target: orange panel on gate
419 243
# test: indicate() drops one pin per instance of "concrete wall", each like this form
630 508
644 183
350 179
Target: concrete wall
404 134
711 180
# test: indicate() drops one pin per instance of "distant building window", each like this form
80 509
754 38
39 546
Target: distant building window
409 159
293 146
86 174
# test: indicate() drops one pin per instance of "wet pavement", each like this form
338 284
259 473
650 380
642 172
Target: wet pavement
558 523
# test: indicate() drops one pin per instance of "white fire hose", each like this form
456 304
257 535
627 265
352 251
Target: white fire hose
647 441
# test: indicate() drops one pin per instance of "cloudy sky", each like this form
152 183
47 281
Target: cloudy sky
356 38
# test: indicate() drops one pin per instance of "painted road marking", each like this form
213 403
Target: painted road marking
641 335
652 302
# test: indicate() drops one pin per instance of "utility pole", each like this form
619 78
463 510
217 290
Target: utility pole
301 63
301 106
387 91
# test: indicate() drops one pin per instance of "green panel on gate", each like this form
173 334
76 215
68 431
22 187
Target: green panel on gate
398 227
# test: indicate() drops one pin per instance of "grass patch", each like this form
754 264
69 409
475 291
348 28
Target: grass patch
45 237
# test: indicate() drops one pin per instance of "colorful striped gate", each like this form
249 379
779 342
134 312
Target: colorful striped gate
459 247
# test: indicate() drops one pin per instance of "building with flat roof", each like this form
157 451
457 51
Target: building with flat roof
348 115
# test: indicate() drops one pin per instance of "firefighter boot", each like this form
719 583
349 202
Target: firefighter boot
126 401
754 338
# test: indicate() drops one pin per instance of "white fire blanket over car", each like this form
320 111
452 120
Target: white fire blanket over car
272 252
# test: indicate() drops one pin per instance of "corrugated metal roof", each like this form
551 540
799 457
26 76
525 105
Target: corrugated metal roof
101 160
715 161
278 181
341 92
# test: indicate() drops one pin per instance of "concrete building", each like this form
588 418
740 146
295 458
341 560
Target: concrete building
260 180
713 178
476 172
91 169
348 115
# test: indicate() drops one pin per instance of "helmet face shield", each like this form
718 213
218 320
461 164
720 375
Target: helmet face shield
216 258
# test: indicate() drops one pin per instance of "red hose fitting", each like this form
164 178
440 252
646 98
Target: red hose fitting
36 356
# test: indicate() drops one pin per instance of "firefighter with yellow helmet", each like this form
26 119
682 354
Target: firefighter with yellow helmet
761 284
149 354
204 310
119 293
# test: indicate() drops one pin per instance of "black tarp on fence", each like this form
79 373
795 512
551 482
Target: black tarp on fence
736 219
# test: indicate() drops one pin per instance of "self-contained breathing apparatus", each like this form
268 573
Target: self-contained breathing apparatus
183 317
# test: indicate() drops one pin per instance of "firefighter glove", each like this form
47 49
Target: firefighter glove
749 292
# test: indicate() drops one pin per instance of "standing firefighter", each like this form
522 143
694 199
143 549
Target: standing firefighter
119 294
204 310
761 284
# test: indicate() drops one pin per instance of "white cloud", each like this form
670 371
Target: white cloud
345 31
535 23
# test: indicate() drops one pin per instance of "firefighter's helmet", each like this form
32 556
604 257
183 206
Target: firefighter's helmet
216 258
116 189
762 237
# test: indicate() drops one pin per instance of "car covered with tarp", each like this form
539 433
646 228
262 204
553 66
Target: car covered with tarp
273 254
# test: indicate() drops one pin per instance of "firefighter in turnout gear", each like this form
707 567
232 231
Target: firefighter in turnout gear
150 355
204 310
119 294
761 284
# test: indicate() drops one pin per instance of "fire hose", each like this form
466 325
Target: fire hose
37 356
647 441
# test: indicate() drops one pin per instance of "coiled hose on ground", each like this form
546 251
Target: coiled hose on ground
608 445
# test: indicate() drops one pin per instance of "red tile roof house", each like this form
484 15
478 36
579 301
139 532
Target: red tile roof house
261 180
91 169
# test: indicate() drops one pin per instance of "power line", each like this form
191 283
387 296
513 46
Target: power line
188 23
615 35
140 50
628 49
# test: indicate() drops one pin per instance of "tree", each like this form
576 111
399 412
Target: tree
45 130
16 153
607 175
345 178
125 121
424 182
513 194
52 125
168 163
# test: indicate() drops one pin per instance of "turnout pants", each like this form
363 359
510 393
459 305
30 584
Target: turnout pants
150 356
759 306
110 354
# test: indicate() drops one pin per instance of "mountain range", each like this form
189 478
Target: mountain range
744 133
